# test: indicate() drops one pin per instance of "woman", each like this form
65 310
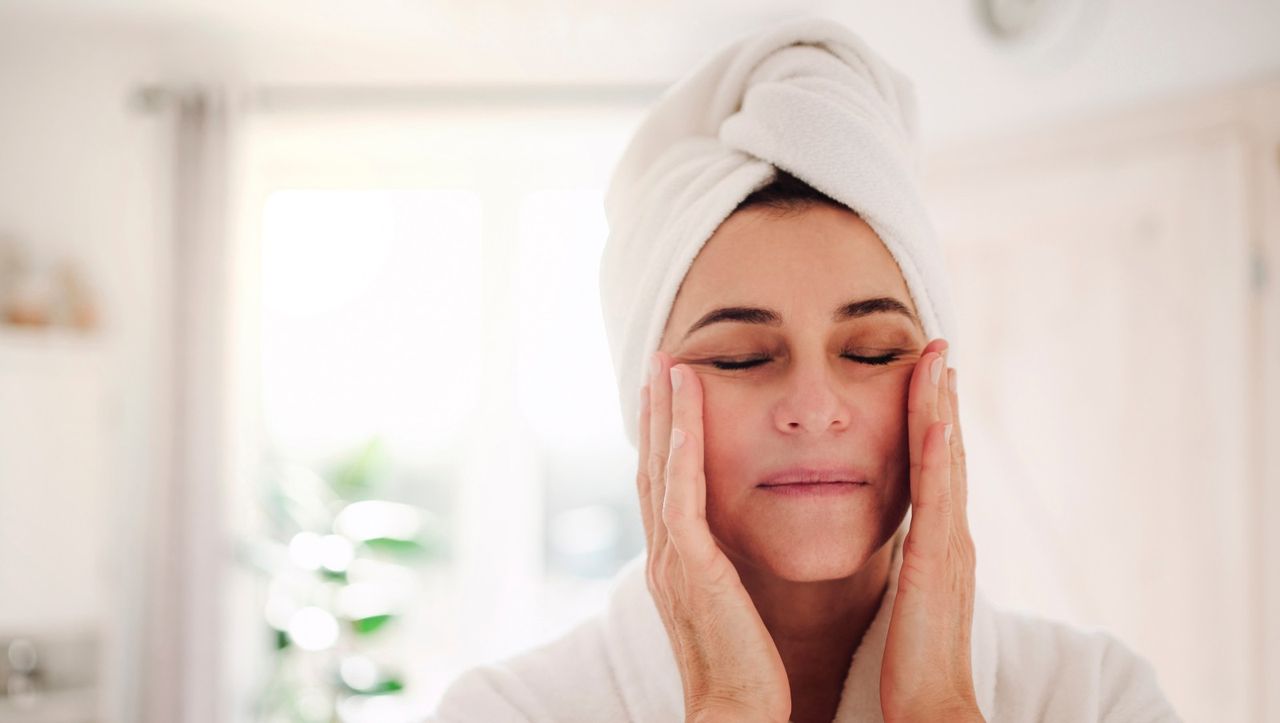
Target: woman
799 401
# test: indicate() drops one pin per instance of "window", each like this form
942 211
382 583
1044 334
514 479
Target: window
427 282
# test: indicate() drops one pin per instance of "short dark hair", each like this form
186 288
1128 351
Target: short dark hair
786 194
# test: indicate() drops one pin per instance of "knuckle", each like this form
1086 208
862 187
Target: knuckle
657 463
934 502
672 516
655 574
940 497
727 699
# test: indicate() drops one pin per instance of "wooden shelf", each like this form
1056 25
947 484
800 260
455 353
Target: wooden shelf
51 338
78 705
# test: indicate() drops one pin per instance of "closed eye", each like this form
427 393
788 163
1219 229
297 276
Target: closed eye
728 365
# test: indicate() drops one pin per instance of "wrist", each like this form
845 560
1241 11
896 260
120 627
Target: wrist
953 714
728 715
725 717
950 715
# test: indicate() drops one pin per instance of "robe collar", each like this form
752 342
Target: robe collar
649 680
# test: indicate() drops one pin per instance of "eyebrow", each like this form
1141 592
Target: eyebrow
769 317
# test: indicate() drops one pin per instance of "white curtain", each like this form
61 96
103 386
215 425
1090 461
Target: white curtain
186 549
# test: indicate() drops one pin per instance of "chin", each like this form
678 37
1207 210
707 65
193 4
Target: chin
814 565
814 552
809 549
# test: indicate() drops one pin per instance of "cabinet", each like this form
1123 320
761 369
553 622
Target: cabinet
54 498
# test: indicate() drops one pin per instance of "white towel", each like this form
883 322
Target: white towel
807 96
618 666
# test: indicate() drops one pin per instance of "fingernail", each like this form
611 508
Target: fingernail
936 370
675 379
677 437
946 434
951 379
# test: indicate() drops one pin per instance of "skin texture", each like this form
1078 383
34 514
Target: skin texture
766 599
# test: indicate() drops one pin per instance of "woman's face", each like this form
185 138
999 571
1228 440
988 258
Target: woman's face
818 388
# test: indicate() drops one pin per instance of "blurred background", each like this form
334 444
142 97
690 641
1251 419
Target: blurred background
305 401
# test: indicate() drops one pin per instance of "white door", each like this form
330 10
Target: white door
1105 386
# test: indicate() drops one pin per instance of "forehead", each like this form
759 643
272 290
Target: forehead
811 259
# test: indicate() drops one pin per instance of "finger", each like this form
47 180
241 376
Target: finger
685 508
659 441
959 470
647 514
920 385
922 401
642 467
944 405
931 498
943 392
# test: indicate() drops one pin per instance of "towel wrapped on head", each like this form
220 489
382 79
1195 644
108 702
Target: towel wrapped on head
808 97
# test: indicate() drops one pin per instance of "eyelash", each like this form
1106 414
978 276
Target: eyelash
754 362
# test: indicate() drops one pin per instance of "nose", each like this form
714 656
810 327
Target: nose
812 400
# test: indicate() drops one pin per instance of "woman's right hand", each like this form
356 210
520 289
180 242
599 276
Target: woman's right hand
729 665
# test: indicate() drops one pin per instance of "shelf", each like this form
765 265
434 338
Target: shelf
77 705
58 337
51 350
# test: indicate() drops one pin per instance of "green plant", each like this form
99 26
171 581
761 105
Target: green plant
333 553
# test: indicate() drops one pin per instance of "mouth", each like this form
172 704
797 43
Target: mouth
813 476
815 483
835 487
815 480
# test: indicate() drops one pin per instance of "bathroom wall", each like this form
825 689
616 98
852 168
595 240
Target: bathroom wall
82 177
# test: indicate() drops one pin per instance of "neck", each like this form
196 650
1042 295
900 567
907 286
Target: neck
817 627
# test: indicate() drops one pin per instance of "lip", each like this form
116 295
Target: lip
815 477
814 489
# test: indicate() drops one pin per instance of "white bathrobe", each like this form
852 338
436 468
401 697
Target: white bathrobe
618 666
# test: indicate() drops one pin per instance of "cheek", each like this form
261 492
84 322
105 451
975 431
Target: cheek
882 409
890 432
731 426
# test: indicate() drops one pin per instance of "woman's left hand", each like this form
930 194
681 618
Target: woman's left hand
926 673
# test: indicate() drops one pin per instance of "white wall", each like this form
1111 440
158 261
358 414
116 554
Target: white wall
84 176
1104 54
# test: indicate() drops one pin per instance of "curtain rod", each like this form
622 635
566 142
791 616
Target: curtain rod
153 98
